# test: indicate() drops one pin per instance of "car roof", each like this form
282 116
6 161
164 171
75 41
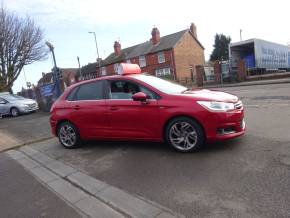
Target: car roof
104 78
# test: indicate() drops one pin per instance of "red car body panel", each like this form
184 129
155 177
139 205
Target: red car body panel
133 120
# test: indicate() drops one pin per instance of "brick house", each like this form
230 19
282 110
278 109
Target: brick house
68 77
173 56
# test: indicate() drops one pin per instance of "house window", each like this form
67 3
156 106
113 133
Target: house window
103 71
142 61
162 72
116 67
161 58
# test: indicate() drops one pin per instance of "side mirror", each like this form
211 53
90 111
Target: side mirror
140 96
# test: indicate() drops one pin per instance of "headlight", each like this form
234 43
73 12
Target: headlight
25 105
216 106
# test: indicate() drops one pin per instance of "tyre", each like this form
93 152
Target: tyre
14 112
68 135
184 134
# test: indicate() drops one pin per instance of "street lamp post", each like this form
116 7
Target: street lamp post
55 74
99 62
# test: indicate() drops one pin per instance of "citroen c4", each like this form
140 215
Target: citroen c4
138 106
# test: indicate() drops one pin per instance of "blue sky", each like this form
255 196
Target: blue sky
66 24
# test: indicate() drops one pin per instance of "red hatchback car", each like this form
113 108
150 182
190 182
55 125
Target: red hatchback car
135 106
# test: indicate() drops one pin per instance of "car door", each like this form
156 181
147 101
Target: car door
4 106
131 119
88 107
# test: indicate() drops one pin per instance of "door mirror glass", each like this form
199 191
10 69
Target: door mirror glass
140 96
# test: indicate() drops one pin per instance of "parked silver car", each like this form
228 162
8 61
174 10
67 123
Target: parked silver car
14 105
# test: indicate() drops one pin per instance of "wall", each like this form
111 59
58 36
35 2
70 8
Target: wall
187 54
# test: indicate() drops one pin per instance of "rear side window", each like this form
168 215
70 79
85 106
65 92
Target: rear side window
89 91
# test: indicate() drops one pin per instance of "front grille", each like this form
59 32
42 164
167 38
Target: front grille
239 105
32 105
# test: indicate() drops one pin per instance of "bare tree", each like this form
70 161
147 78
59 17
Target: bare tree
21 43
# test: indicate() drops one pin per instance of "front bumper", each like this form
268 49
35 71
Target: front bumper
28 109
227 125
53 125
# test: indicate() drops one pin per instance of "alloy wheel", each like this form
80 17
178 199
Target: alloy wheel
183 136
67 135
14 112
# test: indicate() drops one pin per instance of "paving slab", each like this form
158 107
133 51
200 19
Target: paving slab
28 150
28 163
16 155
97 209
88 183
61 169
43 174
40 157
67 191
126 202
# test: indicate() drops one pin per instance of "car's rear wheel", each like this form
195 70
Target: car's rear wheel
68 135
184 134
14 112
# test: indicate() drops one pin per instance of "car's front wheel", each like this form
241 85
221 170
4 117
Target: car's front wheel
68 135
14 112
184 134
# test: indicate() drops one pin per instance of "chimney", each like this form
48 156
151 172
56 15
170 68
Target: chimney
193 29
117 48
155 36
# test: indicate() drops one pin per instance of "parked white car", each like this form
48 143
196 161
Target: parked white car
14 105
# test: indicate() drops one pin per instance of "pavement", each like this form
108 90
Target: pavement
249 83
25 129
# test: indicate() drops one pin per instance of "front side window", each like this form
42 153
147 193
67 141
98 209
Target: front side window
90 91
2 101
142 61
121 89
161 58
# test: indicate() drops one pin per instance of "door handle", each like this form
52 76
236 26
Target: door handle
76 107
114 108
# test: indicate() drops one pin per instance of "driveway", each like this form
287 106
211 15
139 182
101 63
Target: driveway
15 131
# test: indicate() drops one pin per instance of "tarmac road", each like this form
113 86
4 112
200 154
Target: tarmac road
21 195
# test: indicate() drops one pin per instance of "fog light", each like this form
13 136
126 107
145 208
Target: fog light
243 124
226 130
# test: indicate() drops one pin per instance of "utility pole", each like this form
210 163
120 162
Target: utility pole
98 60
240 34
81 76
55 74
